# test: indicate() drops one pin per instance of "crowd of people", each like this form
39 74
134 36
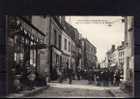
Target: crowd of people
101 77
104 77
27 78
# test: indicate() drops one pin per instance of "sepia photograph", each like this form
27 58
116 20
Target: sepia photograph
70 56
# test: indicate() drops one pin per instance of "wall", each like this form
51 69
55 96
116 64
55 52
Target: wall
67 52
43 23
88 53
65 36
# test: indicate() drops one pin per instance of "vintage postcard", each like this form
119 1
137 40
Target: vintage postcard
70 56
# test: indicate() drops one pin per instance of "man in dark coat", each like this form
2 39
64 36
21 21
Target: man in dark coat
111 76
69 73
106 77
90 75
117 77
98 78
101 77
60 73
78 73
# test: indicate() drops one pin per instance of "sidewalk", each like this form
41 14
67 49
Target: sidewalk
119 93
27 92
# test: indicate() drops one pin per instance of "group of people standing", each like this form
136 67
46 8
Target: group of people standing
108 77
101 77
104 77
64 73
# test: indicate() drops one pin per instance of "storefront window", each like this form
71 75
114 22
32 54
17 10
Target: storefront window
33 55
15 56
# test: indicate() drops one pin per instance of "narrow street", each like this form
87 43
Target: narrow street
77 89
45 50
66 92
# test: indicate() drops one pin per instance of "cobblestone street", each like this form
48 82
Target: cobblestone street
65 90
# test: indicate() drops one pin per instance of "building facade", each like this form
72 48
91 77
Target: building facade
129 59
24 43
112 57
66 48
43 23
121 56
55 46
103 64
129 40
89 58
76 44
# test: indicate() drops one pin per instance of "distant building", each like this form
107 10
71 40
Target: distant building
76 49
121 55
66 48
112 57
89 58
103 64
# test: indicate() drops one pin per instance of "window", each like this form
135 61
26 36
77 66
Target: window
65 44
69 46
55 38
60 41
128 62
56 59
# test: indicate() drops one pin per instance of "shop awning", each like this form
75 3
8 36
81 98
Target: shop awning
31 30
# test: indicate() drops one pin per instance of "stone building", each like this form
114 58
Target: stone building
121 57
76 43
66 48
129 40
129 56
56 29
89 58
24 43
103 64
112 57
43 24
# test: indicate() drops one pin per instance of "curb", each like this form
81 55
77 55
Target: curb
37 91
111 93
114 94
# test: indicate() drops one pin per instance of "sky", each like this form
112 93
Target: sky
99 34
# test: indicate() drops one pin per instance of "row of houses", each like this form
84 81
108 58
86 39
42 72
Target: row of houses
45 43
122 56
114 57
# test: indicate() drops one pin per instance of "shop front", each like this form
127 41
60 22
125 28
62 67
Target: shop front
56 62
26 44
